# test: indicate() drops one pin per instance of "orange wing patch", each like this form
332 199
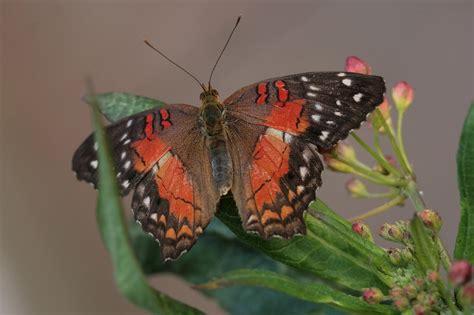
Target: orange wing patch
288 117
175 186
273 212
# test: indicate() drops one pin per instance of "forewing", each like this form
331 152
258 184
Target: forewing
320 107
160 154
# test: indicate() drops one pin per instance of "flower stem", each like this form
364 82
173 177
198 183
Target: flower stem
393 141
391 194
411 190
400 141
370 174
445 294
376 155
443 254
377 142
379 209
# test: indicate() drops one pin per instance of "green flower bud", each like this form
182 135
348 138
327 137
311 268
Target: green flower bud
431 219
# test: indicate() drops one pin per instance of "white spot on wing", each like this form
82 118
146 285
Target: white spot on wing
275 133
315 117
347 82
288 138
304 172
146 202
96 146
338 103
330 122
154 217
324 135
338 113
164 158
357 97
125 184
314 88
304 79
123 155
124 136
311 94
252 219
127 141
341 74
127 164
299 189
94 163
129 123
318 106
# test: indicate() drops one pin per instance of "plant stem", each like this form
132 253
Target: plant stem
443 254
371 174
376 155
446 297
378 148
393 141
411 190
400 141
390 194
379 209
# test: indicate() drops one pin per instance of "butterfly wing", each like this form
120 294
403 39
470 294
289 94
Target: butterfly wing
320 107
275 128
174 199
275 178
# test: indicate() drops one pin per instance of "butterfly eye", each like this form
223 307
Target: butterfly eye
214 93
201 96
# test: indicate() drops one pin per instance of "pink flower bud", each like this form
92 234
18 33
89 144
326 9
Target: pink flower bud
431 219
336 165
363 230
433 276
372 295
460 272
396 293
467 295
356 188
402 94
375 121
345 152
410 291
401 304
355 64
420 309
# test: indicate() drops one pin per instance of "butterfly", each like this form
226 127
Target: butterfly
261 144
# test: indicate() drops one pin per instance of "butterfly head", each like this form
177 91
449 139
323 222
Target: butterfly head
209 95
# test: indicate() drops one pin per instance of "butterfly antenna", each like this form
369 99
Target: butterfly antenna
223 49
169 59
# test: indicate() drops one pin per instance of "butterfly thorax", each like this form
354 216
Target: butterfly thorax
212 122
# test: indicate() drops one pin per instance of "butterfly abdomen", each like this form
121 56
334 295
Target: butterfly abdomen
221 163
212 124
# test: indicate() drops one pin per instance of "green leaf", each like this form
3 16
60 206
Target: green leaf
127 272
465 159
312 292
215 254
117 105
426 252
329 250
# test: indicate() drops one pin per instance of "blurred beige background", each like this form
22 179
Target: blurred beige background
52 260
